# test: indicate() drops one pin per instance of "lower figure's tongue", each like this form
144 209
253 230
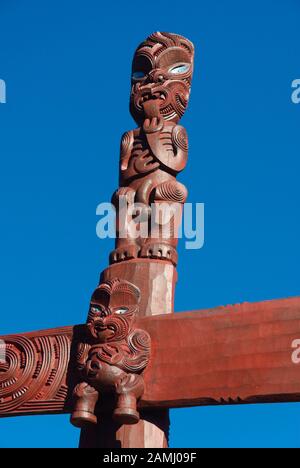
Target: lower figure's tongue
151 108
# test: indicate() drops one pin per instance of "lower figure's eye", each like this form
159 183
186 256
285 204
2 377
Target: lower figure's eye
138 75
179 69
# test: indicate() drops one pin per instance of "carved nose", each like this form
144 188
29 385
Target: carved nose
95 365
99 324
104 313
93 368
156 76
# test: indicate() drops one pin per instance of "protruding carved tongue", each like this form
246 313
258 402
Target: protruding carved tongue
151 108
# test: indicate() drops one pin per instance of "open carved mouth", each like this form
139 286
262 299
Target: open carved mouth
149 93
101 327
153 95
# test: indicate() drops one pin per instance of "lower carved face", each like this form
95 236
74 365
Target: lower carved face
161 77
110 324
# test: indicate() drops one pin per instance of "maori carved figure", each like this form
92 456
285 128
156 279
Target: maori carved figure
154 153
112 355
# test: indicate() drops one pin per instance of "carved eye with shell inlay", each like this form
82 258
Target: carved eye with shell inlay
138 75
179 69
97 311
121 310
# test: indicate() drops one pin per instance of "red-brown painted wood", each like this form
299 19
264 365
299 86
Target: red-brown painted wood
149 203
233 354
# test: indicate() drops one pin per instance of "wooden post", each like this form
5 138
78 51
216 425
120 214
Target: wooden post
149 205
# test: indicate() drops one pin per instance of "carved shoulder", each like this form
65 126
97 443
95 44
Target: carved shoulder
125 149
180 138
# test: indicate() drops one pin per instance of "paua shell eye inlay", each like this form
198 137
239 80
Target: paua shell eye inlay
121 310
179 69
138 75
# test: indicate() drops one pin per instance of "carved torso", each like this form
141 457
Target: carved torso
162 154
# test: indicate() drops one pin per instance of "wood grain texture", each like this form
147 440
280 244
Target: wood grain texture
155 279
233 354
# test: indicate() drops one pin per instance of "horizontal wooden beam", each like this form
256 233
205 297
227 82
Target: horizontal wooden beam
234 354
34 372
245 353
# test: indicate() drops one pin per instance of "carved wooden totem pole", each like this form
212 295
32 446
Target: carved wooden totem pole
148 210
119 374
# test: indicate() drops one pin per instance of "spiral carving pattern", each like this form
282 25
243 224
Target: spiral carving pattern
179 137
171 191
33 373
139 343
125 142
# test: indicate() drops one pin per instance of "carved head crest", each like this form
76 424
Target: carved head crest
112 310
162 71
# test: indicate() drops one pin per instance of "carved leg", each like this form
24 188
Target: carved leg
126 246
169 198
85 398
128 390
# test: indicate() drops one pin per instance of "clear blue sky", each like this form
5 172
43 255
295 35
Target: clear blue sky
67 68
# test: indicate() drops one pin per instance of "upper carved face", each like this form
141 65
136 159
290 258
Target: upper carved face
161 77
